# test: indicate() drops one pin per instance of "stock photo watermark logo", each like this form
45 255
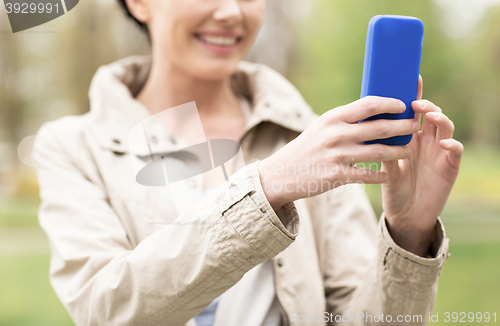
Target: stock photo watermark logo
26 14
160 159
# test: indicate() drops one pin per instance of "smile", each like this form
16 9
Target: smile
218 40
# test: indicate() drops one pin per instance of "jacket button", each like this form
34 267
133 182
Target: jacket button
280 262
173 140
154 139
116 141
267 104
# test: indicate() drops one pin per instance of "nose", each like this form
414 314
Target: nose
228 12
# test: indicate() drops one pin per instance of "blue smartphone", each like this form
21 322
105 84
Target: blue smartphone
392 65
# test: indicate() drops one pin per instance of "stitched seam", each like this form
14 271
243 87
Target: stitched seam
160 313
268 222
256 239
226 203
417 263
215 282
202 286
241 260
262 208
204 282
250 238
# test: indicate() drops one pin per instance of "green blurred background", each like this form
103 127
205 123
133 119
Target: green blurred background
319 45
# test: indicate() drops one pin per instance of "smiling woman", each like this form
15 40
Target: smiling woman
209 39
122 254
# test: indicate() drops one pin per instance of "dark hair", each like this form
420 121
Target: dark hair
127 12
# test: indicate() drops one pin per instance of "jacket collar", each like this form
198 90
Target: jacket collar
114 110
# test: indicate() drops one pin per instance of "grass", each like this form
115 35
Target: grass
470 279
26 297
19 211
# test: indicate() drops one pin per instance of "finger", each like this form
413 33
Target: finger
424 106
379 129
393 169
418 116
443 125
369 106
455 148
390 167
372 153
420 87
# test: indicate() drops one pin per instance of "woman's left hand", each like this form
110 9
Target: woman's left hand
419 185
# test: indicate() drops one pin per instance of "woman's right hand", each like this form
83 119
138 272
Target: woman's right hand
323 156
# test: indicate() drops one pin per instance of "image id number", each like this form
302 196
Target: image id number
463 317
31 8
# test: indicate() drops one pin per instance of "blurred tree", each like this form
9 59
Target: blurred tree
45 72
11 113
483 82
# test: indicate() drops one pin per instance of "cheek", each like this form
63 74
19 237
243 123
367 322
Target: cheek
254 13
185 22
176 20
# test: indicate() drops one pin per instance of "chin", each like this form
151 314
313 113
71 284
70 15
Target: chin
214 69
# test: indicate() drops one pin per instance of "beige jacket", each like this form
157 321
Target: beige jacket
113 264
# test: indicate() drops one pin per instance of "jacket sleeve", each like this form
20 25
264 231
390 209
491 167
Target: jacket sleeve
170 276
370 280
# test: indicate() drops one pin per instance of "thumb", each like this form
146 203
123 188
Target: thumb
391 168
420 89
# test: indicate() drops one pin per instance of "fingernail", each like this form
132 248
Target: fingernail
416 126
421 104
407 151
447 142
435 115
403 106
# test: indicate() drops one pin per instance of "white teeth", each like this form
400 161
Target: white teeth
219 40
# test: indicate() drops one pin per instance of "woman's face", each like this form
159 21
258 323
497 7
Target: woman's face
203 38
